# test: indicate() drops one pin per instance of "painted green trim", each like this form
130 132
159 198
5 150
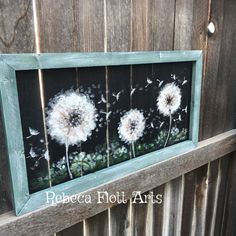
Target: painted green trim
9 63
13 133
68 60
195 99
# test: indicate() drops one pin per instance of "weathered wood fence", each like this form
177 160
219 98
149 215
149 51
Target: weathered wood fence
200 188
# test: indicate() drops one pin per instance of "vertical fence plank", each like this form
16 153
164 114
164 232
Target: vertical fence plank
140 216
120 220
224 118
56 25
118 18
162 37
158 211
191 18
90 37
89 18
57 33
16 35
97 225
190 33
118 25
224 166
141 27
228 223
173 201
142 40
209 85
162 24
212 195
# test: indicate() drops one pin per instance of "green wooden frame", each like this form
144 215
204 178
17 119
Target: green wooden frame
9 63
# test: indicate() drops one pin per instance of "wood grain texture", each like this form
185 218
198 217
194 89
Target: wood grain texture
118 25
68 26
158 210
191 19
75 230
224 118
162 24
152 29
228 224
16 26
143 180
173 204
209 87
89 21
213 182
97 225
16 35
190 24
120 219
224 167
140 216
118 38
56 26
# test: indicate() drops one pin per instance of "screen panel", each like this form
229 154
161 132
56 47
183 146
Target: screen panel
96 117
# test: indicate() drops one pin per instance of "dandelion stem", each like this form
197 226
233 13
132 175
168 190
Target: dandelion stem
133 149
67 160
168 135
82 167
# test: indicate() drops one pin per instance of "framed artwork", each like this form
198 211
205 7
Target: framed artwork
76 120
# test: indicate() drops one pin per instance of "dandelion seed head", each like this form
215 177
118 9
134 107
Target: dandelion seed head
132 126
169 99
71 118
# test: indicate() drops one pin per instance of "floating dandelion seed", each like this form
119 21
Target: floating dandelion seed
173 76
162 123
71 118
33 132
185 109
149 81
168 102
131 127
132 91
32 153
103 100
107 114
117 95
184 82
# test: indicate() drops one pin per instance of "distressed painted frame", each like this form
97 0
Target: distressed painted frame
10 63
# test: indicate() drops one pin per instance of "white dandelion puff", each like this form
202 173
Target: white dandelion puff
71 118
168 103
131 127
169 99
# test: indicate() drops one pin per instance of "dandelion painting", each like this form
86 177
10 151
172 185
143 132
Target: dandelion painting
88 119
71 119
